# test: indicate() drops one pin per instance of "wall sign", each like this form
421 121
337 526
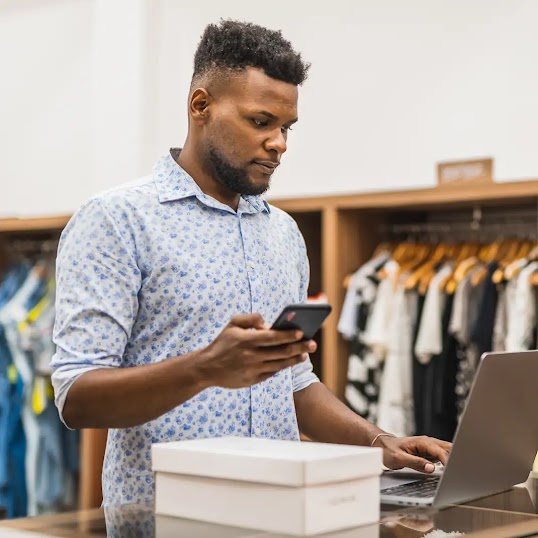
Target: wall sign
464 172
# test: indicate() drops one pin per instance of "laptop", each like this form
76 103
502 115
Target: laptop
495 443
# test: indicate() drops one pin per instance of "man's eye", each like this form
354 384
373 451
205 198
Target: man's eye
260 123
286 129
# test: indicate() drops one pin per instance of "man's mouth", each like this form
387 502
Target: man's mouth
266 167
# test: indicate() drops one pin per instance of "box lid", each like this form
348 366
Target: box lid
251 459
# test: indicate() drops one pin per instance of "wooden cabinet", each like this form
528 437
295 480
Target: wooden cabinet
341 233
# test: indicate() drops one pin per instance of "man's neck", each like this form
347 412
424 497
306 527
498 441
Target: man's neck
188 159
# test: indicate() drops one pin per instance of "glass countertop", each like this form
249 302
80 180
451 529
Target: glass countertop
512 513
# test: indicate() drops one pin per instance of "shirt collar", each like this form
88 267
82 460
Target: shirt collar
174 183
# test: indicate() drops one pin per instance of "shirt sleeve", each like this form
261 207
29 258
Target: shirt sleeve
97 285
303 373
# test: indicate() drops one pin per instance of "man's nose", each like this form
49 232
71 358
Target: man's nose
277 142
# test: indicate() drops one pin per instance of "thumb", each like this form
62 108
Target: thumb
248 321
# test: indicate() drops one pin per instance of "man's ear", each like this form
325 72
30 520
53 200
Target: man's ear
199 105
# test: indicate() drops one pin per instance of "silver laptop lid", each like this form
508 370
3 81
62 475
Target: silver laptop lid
497 437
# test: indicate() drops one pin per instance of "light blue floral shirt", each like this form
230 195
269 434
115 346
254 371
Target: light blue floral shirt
155 269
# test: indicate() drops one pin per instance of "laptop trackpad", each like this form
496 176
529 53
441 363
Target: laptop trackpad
391 481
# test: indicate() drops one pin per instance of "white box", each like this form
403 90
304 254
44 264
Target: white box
286 487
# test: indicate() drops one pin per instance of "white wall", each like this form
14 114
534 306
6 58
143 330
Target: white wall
75 105
94 90
45 100
394 88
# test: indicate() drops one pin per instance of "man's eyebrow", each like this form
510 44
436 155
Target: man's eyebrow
268 114
273 117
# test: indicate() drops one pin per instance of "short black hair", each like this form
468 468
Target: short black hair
234 46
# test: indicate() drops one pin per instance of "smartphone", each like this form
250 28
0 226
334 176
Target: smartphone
305 317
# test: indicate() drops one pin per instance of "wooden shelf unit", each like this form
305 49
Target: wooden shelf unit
34 225
341 233
92 442
351 228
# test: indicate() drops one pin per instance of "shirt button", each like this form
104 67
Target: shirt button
258 432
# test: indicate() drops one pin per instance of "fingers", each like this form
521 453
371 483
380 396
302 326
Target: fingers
275 366
269 338
264 337
416 453
434 449
287 351
248 321
424 441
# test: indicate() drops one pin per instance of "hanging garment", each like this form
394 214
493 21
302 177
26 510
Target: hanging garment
501 320
361 285
419 371
27 320
395 410
375 335
49 471
13 496
437 397
430 334
483 326
35 332
521 314
367 360
11 315
464 314
362 388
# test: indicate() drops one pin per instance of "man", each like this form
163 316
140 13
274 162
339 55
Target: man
165 287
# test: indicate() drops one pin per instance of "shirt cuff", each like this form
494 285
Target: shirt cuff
62 379
303 375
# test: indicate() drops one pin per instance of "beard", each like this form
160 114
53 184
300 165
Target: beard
234 178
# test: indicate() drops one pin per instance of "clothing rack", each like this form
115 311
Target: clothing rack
27 267
436 232
33 246
482 224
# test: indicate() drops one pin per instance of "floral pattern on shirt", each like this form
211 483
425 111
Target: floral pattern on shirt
155 269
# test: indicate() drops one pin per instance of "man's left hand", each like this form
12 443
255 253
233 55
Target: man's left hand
414 452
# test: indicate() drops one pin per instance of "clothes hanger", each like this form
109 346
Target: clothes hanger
489 254
417 256
533 256
533 279
382 248
438 255
401 253
469 258
448 252
462 252
496 252
511 255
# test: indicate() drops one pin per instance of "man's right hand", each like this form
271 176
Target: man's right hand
241 357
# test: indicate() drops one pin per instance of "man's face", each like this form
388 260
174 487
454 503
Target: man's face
246 134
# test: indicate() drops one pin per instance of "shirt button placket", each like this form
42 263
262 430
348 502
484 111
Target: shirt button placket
255 429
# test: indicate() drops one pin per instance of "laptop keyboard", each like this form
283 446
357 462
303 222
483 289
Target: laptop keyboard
421 488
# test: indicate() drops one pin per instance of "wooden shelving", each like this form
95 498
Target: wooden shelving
448 195
41 224
351 227
341 233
